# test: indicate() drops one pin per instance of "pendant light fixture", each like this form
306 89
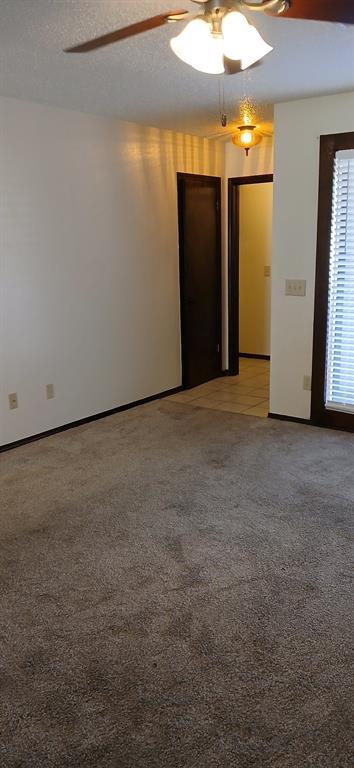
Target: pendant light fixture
247 137
249 132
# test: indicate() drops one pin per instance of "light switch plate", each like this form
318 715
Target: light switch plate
13 403
295 287
307 383
50 391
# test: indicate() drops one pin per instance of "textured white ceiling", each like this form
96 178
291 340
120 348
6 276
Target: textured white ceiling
141 80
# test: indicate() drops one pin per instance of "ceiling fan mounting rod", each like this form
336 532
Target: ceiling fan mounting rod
220 7
214 11
217 6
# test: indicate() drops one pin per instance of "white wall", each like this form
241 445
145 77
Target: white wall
299 125
255 254
89 274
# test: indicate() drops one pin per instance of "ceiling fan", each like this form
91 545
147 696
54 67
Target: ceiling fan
221 39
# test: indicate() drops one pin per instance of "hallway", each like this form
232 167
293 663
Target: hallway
247 393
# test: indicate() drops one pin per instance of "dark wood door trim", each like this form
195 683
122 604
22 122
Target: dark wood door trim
216 180
233 263
329 145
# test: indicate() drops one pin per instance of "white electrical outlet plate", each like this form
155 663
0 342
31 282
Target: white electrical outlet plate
267 271
50 391
307 384
13 401
295 287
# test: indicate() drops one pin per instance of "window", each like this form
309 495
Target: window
340 324
332 402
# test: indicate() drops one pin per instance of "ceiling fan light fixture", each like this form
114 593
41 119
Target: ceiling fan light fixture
255 48
198 47
242 41
234 30
206 40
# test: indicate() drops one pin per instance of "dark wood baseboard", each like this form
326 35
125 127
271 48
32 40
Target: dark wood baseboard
310 422
256 357
134 404
295 419
87 420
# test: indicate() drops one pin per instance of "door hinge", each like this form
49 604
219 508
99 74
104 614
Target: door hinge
218 347
217 206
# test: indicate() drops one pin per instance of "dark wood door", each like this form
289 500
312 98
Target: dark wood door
200 277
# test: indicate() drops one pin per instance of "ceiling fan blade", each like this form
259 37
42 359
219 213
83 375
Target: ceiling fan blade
222 135
133 29
321 10
265 132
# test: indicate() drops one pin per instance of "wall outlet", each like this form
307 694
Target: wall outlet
267 271
49 391
295 287
13 401
307 384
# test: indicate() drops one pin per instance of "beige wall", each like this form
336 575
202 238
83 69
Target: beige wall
255 249
88 261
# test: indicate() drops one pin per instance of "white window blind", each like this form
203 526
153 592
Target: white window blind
340 332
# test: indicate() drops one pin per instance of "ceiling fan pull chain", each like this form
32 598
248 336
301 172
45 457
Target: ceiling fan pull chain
222 113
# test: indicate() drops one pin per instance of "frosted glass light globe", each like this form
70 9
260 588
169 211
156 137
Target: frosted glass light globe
197 47
234 28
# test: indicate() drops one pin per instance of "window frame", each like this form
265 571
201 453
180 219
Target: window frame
320 415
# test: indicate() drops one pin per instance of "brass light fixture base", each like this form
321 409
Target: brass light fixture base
276 7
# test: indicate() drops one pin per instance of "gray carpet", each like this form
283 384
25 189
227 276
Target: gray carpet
175 591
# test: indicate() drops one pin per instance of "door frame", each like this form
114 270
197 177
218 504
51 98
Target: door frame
181 177
329 145
234 185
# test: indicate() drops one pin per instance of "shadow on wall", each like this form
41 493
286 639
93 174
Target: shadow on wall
259 160
164 153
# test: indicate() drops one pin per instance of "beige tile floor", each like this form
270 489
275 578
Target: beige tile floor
247 393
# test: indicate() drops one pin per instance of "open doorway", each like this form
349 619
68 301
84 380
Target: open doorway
245 389
250 253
